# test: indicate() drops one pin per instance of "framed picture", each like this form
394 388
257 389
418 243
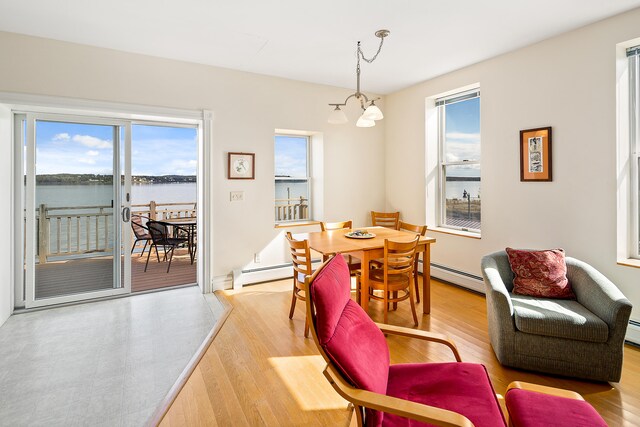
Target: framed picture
535 154
241 166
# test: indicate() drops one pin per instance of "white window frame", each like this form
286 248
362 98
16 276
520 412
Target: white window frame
633 56
307 178
440 104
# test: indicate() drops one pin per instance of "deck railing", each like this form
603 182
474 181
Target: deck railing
291 209
78 230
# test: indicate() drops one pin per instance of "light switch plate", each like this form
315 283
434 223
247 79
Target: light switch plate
237 196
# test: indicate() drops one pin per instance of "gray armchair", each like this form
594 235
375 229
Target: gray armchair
581 338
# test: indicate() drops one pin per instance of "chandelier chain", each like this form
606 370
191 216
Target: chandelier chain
373 58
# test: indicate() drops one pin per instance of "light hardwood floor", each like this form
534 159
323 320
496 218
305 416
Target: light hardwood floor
260 370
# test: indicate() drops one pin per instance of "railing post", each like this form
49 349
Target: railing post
43 234
152 209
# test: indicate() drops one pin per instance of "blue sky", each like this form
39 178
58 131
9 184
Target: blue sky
462 135
291 156
77 148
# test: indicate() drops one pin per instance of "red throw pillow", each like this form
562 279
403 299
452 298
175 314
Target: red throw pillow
540 273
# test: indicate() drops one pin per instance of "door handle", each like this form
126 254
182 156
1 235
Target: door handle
126 214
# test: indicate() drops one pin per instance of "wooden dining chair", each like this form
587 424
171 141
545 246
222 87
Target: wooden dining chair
301 259
396 275
420 230
353 262
385 219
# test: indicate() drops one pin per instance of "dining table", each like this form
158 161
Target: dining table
331 242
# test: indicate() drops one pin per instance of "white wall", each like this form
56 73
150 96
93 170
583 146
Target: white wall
247 108
567 82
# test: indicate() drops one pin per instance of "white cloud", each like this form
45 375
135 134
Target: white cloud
92 141
182 167
463 136
61 137
86 161
93 153
462 146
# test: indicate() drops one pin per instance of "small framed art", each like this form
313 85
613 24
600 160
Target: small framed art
535 154
241 166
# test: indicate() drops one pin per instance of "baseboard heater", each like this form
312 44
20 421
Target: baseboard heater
457 277
265 274
633 333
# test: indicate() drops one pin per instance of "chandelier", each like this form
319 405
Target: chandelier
371 111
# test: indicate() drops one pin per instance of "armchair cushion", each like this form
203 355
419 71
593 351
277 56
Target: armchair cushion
532 409
363 361
460 387
540 273
558 318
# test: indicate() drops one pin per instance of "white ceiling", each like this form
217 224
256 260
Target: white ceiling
311 41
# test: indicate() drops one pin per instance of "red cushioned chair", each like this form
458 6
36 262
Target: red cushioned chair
355 349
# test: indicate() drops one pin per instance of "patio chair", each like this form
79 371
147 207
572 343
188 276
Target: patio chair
385 219
140 231
161 236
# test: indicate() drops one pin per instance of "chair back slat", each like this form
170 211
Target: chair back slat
399 256
385 219
340 225
418 229
300 255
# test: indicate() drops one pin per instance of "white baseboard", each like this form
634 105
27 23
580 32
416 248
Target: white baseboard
458 278
633 333
222 282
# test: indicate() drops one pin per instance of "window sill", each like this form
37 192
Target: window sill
296 224
451 231
629 262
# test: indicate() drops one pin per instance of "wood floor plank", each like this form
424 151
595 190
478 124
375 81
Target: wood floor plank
260 370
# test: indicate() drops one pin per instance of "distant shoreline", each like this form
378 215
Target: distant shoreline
95 179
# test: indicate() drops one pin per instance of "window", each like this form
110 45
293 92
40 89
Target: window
633 55
459 161
292 195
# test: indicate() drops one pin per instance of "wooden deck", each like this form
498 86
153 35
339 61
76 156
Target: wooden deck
76 276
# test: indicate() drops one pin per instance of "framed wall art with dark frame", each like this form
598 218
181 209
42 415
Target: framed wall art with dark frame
535 154
241 166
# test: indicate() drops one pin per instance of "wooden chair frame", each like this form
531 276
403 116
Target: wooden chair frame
301 260
354 263
385 219
365 399
420 230
398 261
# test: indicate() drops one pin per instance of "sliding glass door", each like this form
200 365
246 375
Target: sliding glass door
76 208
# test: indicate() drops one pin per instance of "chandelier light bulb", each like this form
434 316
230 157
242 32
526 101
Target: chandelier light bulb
373 112
337 116
365 123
